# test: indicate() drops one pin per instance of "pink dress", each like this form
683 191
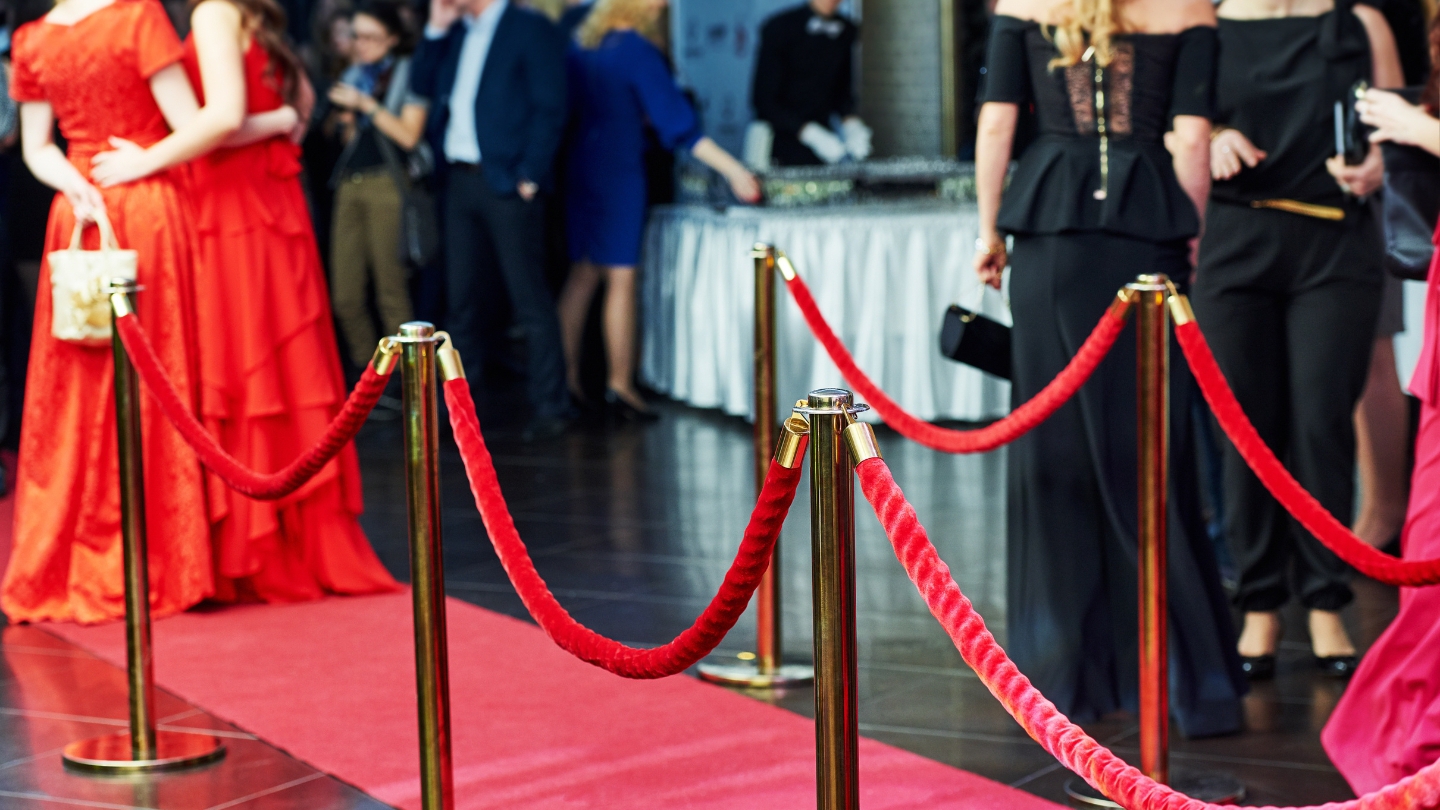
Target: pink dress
1387 725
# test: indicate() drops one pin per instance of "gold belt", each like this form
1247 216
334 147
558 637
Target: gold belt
1326 212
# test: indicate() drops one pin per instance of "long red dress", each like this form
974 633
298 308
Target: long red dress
269 369
1387 725
66 563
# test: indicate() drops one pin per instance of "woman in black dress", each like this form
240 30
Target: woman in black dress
1288 292
1096 200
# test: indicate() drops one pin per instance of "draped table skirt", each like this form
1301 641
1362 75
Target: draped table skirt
883 274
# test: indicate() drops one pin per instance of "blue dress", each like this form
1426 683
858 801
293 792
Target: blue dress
616 89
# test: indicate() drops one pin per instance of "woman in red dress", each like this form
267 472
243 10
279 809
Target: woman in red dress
270 375
1387 725
104 68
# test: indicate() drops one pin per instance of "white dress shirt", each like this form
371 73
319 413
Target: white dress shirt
462 144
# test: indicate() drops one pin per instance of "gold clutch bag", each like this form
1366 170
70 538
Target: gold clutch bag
78 281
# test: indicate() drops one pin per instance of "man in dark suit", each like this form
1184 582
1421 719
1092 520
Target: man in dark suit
495 74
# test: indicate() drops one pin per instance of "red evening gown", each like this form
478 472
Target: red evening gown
1387 725
66 563
269 369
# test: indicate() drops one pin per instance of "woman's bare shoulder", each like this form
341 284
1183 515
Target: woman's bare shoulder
1038 10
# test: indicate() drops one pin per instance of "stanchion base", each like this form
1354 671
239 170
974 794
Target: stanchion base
748 674
1215 787
173 751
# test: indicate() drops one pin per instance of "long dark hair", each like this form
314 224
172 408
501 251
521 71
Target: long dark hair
266 19
390 15
1431 97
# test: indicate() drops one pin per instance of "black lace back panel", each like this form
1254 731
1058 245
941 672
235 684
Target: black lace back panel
1065 180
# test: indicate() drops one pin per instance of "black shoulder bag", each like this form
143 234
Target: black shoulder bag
1410 206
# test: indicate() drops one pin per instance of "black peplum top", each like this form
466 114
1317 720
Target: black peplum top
1152 79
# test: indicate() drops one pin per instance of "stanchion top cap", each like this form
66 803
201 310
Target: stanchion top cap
831 402
1150 282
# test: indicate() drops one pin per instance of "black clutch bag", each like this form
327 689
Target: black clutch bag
1352 136
977 341
1410 206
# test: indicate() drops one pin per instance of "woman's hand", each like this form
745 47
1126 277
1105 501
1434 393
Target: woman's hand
1362 180
1396 120
126 164
990 260
343 95
85 200
744 186
1231 151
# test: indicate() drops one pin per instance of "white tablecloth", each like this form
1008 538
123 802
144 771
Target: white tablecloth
882 274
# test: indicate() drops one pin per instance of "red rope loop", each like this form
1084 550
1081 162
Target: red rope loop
1316 519
242 479
690 646
1019 422
1064 740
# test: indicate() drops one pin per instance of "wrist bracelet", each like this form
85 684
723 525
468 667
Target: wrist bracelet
989 248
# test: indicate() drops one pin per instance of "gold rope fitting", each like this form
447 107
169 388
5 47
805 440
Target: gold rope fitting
450 366
1124 301
861 439
794 436
387 354
120 302
787 270
1180 311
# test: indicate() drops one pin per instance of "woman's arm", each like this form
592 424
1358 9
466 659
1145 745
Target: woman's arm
994 141
1385 71
265 125
1398 121
742 182
216 26
49 164
1189 145
404 129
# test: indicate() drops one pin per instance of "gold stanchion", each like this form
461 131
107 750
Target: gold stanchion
143 748
1152 293
764 668
427 566
832 549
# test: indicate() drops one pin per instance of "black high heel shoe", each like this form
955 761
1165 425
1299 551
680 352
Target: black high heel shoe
621 410
1258 667
1339 667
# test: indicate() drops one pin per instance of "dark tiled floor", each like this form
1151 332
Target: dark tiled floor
634 527
52 694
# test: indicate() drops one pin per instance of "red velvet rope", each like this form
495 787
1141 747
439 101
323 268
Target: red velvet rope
1064 740
1315 518
1020 421
242 479
694 643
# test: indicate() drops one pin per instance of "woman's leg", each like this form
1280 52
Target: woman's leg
347 267
574 307
1381 434
620 328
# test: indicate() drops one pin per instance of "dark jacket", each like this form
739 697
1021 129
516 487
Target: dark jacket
520 108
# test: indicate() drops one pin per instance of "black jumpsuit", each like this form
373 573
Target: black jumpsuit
1072 504
1288 301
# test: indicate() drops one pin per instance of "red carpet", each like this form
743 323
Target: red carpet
332 682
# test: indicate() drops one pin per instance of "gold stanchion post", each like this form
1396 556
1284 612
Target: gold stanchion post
418 342
1152 294
143 748
764 668
832 549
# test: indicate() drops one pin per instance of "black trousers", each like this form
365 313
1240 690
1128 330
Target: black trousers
490 238
1289 304
1073 513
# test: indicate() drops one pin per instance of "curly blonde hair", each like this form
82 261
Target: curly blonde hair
643 16
1100 19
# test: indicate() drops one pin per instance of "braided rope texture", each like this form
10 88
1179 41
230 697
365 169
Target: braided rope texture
1316 519
1064 740
696 642
242 479
1019 422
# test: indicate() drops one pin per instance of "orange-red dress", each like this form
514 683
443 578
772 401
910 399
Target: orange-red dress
269 369
66 564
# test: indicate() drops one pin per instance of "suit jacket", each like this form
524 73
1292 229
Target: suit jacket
520 108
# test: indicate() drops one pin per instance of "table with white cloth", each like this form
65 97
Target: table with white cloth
882 273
